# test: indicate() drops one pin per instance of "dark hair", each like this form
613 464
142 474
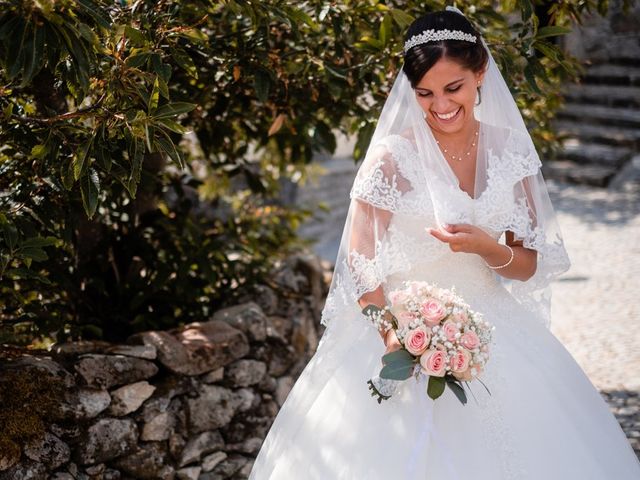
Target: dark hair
419 59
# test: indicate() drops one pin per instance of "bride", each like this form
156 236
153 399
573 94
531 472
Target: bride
450 192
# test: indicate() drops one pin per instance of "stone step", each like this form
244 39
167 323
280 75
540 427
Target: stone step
624 61
619 96
628 178
594 153
608 74
602 115
617 136
570 171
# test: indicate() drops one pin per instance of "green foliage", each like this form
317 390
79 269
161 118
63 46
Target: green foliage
398 365
435 386
144 145
457 389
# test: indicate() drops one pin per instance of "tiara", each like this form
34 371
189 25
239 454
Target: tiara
437 35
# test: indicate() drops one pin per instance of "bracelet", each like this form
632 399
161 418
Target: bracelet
506 264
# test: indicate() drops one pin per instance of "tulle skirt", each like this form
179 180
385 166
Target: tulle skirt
543 418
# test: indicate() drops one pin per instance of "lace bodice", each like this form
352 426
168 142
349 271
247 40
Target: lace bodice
395 197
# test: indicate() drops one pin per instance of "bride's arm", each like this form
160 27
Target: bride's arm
376 297
524 263
467 238
369 225
472 239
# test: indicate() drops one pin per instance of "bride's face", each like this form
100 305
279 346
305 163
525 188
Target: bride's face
448 90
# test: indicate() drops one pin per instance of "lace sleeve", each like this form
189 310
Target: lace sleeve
366 257
520 204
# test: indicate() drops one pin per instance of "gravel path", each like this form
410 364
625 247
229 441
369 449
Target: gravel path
596 304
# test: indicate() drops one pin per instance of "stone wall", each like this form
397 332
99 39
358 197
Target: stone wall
192 403
614 38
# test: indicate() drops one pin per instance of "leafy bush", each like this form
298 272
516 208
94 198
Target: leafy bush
144 146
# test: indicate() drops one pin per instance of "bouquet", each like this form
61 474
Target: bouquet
441 337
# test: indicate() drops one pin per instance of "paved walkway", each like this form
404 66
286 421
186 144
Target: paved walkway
596 304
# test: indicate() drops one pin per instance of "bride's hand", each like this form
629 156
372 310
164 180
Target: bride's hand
392 342
463 237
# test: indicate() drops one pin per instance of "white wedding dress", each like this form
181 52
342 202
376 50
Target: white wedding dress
543 419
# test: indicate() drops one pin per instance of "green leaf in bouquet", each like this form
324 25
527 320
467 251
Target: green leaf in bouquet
457 389
371 308
435 388
398 365
396 371
400 355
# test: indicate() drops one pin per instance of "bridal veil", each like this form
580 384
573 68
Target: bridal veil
404 172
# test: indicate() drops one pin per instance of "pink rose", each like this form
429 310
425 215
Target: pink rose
460 317
417 340
450 329
434 362
432 311
470 340
397 297
405 318
459 362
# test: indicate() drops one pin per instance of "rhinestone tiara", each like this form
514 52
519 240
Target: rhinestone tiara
437 35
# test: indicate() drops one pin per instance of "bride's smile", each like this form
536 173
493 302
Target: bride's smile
447 116
447 94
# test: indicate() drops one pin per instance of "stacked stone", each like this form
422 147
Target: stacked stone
191 403
600 123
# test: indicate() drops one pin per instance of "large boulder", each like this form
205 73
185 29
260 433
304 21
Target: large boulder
147 462
85 403
27 470
106 439
201 444
106 371
128 399
198 347
48 450
247 317
245 372
214 407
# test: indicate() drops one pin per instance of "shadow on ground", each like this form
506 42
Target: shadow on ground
594 206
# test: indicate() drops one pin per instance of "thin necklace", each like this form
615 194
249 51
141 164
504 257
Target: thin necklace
473 144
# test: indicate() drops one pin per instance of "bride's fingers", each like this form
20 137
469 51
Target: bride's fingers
458 228
443 237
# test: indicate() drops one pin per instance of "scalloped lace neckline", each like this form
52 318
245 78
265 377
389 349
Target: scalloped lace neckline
456 186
